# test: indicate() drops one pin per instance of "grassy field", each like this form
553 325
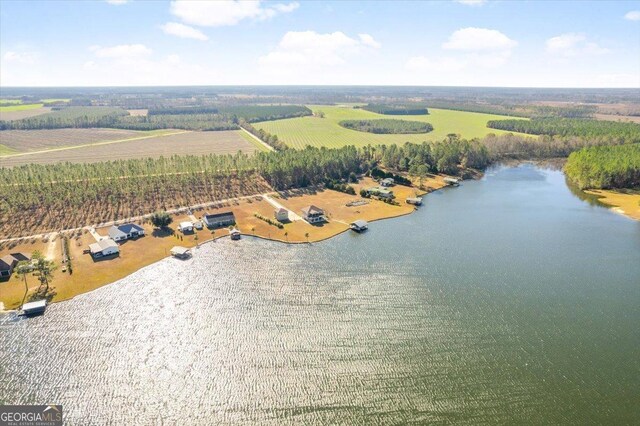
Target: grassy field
19 107
143 145
299 132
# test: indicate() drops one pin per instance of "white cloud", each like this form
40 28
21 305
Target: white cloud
183 31
633 15
308 55
117 2
471 2
121 51
217 13
476 39
21 57
572 44
368 40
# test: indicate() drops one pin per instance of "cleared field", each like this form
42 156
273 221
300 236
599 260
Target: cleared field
18 114
315 131
36 140
183 143
19 107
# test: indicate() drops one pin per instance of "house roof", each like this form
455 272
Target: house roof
115 232
21 256
360 223
312 210
102 245
388 180
282 210
129 227
7 262
223 215
186 224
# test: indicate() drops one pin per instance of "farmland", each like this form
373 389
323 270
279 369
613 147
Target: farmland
35 140
10 113
316 131
139 145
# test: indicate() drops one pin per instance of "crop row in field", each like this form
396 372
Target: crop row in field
12 115
316 131
183 143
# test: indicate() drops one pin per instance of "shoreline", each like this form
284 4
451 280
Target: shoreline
89 274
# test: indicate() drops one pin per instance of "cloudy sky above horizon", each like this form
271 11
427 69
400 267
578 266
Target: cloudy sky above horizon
452 43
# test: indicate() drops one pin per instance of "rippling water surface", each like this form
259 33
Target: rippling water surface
507 300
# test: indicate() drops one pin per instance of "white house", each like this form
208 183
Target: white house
103 248
186 227
313 214
281 214
125 231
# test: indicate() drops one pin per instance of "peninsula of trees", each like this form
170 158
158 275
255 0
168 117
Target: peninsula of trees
384 126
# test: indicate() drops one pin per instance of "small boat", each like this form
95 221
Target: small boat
451 181
34 308
180 252
359 225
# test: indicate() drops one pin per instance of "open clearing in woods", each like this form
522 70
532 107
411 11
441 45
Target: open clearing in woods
315 131
37 140
10 113
156 145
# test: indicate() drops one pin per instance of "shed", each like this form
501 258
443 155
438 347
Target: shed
281 214
235 234
387 182
186 226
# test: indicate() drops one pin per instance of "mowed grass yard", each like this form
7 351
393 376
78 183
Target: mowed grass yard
154 145
314 131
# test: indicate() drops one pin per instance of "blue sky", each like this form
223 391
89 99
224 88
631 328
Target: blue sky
456 43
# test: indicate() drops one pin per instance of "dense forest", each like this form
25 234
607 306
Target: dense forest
605 167
76 117
383 126
396 109
612 130
255 113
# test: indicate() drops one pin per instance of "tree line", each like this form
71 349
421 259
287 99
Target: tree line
396 109
605 167
611 130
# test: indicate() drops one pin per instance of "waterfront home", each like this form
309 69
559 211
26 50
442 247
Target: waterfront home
235 234
185 227
281 214
380 192
180 252
9 262
219 219
359 225
313 214
102 248
387 182
416 201
34 308
125 231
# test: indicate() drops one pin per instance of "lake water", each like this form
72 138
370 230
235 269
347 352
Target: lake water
506 300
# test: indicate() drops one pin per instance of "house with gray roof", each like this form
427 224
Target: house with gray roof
125 231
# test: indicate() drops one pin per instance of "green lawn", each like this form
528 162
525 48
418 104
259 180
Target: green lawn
19 107
298 132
